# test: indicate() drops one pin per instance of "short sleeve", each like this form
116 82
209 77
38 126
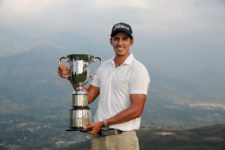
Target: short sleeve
139 81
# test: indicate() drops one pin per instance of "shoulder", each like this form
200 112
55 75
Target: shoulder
138 66
105 64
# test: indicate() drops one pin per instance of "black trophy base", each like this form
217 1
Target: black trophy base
81 129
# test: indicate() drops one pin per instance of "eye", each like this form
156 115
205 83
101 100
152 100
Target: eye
116 39
125 38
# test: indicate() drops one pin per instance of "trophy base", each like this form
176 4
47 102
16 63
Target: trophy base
81 129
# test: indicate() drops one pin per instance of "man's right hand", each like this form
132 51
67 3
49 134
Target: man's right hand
63 71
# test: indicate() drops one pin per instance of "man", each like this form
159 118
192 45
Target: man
121 84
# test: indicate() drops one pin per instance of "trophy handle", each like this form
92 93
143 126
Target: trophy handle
66 60
61 58
93 59
100 60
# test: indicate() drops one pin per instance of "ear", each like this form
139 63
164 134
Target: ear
110 40
132 41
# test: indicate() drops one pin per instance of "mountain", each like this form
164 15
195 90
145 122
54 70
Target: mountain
36 70
13 42
185 75
29 80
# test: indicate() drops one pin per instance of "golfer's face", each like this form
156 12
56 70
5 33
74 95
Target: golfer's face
121 43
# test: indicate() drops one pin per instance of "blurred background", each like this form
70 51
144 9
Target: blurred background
182 44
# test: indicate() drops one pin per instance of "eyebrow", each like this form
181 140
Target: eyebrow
125 36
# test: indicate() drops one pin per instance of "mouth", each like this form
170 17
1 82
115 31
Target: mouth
120 48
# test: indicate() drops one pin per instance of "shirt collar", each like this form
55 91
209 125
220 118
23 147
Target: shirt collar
128 60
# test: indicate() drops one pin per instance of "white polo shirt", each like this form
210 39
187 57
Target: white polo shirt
116 84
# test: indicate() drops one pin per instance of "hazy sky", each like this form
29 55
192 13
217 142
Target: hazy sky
152 20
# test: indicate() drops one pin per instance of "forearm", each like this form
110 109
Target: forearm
93 93
125 115
91 99
133 111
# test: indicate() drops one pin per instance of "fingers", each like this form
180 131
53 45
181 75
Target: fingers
90 126
63 71
93 132
94 129
63 66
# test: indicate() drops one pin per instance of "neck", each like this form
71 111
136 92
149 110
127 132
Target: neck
119 59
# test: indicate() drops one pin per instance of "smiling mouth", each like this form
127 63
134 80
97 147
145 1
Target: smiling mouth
120 47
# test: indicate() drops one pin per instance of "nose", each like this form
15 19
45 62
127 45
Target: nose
120 42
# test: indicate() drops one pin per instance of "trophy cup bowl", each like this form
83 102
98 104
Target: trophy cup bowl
80 113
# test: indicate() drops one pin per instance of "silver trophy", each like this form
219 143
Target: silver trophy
80 113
